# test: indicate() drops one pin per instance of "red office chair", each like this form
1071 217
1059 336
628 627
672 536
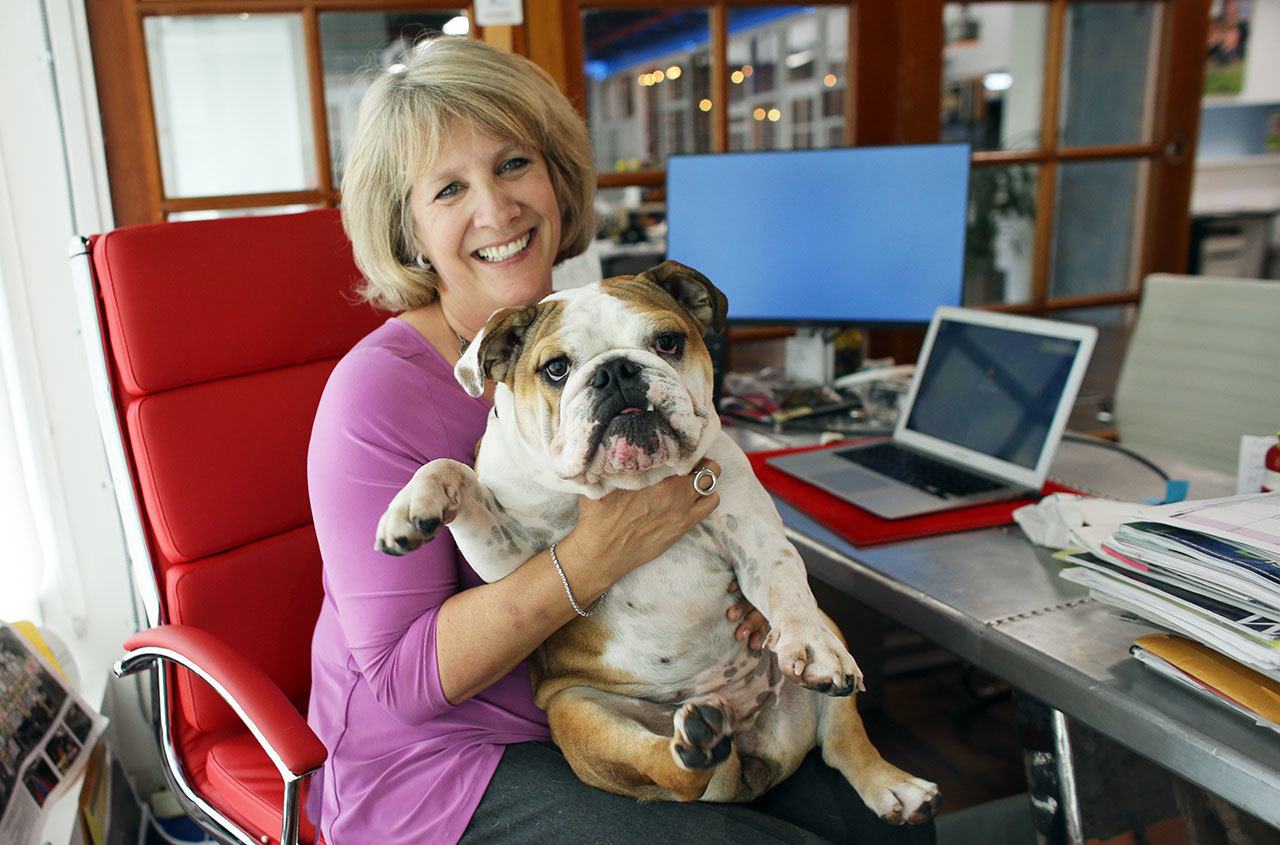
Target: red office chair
210 343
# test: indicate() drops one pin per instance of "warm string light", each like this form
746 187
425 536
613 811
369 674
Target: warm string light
658 75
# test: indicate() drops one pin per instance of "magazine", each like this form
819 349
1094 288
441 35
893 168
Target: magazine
46 734
1259 620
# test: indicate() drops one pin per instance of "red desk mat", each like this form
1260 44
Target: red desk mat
862 528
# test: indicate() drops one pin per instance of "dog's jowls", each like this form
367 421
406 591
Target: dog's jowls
606 387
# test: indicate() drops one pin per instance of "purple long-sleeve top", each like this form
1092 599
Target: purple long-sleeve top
405 766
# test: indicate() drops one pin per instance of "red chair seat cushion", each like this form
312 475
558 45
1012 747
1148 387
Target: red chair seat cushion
244 784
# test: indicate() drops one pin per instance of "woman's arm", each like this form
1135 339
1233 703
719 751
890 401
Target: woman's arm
483 632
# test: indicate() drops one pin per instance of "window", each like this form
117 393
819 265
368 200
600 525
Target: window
1081 114
239 113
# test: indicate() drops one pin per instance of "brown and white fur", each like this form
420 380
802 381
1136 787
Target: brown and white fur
650 697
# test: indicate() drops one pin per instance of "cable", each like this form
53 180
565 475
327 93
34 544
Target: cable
1116 447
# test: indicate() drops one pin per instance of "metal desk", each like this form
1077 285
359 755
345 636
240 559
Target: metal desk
997 601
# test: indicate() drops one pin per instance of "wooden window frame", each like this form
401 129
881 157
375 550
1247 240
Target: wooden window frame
118 43
894 68
1162 213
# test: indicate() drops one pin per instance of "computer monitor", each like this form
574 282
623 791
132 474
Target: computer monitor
864 236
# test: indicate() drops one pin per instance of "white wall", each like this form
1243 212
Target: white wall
232 106
1262 62
1011 40
48 192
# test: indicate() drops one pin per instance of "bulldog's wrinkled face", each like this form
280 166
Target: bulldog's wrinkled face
609 380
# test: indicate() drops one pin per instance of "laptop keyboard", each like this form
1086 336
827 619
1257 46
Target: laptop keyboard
920 471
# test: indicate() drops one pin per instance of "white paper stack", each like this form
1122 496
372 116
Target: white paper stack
1209 570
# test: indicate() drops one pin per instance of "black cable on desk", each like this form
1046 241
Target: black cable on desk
1115 447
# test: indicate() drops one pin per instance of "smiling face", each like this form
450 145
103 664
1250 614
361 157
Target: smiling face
486 217
612 381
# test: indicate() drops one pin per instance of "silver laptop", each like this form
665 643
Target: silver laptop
981 423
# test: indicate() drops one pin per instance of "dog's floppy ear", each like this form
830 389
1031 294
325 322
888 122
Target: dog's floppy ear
705 302
494 351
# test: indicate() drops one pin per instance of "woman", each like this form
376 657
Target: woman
469 176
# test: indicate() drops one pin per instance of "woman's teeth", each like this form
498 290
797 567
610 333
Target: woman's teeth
505 251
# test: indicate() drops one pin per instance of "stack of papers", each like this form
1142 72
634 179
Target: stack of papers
1208 570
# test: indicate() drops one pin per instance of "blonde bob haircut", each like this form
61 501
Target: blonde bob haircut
440 84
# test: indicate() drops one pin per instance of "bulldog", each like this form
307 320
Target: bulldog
610 386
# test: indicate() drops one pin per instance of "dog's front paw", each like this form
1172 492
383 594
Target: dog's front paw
810 654
703 734
426 504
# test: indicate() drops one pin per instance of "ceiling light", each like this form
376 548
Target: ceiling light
999 81
799 59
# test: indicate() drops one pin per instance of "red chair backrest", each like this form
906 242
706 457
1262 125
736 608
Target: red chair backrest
219 336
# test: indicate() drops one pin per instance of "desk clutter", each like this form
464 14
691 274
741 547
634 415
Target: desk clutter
1209 571
862 528
862 403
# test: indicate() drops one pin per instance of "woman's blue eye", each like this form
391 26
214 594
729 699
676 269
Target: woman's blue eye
449 190
513 164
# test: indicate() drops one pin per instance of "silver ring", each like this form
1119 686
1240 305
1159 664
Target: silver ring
700 474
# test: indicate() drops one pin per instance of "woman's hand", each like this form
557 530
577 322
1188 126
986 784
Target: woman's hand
629 528
754 627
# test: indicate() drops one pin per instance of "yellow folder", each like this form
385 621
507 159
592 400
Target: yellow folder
1240 683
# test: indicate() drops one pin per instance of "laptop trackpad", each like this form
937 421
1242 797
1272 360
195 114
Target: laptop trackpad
852 481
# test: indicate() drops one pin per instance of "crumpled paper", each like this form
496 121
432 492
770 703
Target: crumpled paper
1070 521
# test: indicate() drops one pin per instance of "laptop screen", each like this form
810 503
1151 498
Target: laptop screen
993 390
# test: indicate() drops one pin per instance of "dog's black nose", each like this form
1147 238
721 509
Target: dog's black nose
618 372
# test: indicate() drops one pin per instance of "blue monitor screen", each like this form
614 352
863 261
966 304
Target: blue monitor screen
861 235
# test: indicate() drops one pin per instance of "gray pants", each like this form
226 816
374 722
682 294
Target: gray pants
535 797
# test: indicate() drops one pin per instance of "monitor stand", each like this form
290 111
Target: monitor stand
811 355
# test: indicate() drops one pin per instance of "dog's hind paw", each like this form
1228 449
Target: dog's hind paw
703 734
899 798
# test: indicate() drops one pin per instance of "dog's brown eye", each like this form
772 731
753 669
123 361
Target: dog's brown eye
556 369
669 343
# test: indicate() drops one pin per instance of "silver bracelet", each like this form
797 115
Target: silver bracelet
555 561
